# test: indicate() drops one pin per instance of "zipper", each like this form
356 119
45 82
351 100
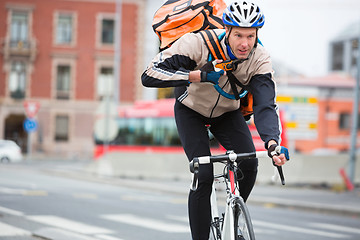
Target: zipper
217 101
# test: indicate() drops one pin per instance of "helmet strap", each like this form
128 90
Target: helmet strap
257 38
228 48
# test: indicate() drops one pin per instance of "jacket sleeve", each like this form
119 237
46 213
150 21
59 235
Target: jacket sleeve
171 67
266 116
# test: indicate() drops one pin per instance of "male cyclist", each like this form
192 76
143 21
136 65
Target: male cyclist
185 66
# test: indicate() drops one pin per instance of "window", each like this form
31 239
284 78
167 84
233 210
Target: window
19 29
146 131
61 128
64 33
337 56
107 31
63 82
17 81
105 83
344 122
354 52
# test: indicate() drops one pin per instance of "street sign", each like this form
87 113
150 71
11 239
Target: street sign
31 108
106 129
30 125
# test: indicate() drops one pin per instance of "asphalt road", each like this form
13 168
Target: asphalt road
36 203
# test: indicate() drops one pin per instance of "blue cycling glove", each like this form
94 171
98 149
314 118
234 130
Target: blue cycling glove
211 77
209 74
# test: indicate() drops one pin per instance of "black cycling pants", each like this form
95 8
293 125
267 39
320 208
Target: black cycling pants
231 130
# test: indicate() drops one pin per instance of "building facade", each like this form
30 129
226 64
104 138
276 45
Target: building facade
60 54
343 50
317 112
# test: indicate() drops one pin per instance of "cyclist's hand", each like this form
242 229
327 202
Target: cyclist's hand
278 154
210 74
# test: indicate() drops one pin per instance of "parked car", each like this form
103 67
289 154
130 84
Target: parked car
10 151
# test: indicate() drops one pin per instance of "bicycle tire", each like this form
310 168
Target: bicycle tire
242 222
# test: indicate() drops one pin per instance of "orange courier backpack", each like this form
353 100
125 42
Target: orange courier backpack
178 17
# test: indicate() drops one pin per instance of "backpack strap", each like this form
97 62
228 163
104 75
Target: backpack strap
233 80
213 44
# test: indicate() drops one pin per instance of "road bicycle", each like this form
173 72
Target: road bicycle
235 222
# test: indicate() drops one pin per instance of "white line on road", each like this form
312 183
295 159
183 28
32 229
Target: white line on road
178 218
147 223
298 229
12 191
106 237
8 231
336 227
11 212
69 224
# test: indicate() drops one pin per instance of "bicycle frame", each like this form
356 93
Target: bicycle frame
227 227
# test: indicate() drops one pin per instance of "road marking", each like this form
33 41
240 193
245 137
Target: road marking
178 218
8 231
12 190
85 196
336 227
57 233
35 193
25 192
11 212
298 229
106 237
265 231
69 224
147 223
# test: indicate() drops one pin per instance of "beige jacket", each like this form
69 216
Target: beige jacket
171 67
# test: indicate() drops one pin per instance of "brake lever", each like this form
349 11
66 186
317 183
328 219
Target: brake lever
280 150
194 168
281 174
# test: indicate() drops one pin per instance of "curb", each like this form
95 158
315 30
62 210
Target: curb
314 207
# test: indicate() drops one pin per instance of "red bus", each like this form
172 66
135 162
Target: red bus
150 126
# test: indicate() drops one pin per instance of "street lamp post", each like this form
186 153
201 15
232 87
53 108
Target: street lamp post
117 51
355 118
116 76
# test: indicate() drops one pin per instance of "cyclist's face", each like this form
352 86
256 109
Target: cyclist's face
241 41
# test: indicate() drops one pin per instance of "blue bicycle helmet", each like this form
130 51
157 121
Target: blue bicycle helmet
243 14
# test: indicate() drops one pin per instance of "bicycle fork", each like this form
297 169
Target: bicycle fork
223 229
228 232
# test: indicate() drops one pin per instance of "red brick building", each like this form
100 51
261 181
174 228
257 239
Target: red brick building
60 53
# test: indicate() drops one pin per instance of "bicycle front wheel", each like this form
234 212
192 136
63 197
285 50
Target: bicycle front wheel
242 222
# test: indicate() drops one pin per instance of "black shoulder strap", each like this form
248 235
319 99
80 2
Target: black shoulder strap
233 80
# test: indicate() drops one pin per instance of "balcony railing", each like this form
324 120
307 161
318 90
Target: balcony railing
21 48
18 94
